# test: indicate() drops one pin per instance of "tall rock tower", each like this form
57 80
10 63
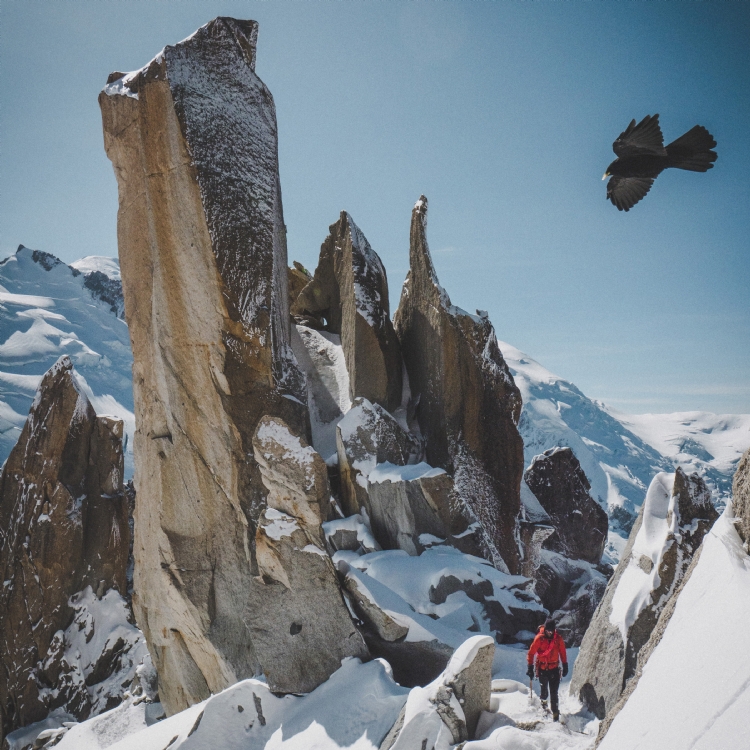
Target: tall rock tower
192 137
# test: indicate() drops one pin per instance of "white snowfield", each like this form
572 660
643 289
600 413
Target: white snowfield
694 693
45 312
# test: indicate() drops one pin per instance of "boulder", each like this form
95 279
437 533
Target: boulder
468 405
349 293
63 531
581 524
298 277
673 520
321 358
301 627
446 711
414 507
366 436
741 497
192 137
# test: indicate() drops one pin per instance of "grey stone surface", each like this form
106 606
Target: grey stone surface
468 404
301 626
581 524
349 295
366 436
192 137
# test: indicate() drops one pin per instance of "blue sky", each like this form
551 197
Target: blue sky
502 113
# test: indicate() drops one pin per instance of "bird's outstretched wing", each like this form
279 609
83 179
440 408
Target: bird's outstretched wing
642 139
625 192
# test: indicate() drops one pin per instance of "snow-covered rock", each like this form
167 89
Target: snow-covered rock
365 437
193 140
416 507
418 609
355 708
673 520
468 405
63 534
693 692
299 624
47 310
445 712
348 295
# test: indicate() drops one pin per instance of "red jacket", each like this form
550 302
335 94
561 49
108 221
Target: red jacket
549 652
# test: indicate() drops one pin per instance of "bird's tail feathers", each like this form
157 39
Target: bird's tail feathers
692 151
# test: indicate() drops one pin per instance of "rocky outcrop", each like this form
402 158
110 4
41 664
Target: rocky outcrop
301 627
348 295
193 140
741 497
414 507
299 277
673 520
558 482
63 535
468 405
446 711
368 435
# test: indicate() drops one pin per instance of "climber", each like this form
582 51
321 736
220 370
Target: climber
549 649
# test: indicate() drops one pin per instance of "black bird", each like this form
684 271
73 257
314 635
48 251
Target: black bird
642 157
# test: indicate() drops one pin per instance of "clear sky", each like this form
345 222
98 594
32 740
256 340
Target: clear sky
502 113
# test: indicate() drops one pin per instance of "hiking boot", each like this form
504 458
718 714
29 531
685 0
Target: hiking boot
555 716
544 705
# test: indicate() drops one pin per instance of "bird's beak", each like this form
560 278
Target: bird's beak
605 175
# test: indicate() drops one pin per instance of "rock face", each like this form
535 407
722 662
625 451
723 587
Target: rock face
193 141
63 528
741 497
446 711
349 295
366 436
558 482
468 405
673 520
414 507
301 627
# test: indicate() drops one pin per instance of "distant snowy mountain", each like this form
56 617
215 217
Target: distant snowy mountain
47 309
621 453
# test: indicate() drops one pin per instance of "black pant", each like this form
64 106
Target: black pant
550 679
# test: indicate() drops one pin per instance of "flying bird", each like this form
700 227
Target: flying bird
642 157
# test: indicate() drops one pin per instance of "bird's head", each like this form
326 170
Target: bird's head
610 170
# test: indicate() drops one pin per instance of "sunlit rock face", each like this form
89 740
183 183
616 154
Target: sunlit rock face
468 405
63 528
193 140
301 627
640 597
348 295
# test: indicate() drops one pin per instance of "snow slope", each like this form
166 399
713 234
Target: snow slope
46 310
620 453
694 693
